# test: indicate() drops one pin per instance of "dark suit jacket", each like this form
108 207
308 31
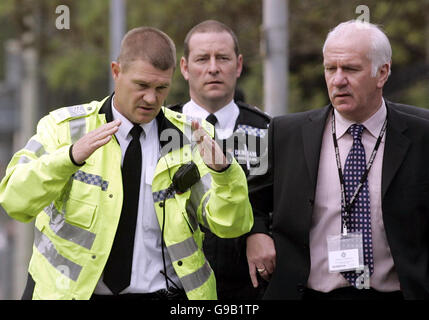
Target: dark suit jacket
289 189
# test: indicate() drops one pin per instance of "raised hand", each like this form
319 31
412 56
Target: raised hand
210 151
86 146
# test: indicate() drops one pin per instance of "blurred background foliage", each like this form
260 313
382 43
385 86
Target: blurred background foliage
75 63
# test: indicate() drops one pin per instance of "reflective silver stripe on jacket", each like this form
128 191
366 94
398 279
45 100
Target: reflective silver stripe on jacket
67 231
24 159
69 112
198 190
204 212
196 279
161 195
77 110
32 146
182 249
36 147
77 129
46 248
90 178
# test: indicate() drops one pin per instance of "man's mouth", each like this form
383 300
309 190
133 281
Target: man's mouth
214 82
145 108
342 95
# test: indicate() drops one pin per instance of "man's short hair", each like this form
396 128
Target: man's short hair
206 27
148 44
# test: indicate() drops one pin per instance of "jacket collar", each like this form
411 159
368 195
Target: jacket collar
165 124
312 134
396 146
162 121
395 149
106 108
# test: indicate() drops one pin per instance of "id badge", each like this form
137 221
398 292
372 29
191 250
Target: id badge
345 252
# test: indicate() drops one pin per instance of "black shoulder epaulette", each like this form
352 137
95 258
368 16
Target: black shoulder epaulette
253 109
176 107
252 115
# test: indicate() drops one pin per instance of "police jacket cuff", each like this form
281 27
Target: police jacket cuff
72 159
229 158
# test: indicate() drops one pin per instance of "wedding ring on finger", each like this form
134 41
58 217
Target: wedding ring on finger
260 270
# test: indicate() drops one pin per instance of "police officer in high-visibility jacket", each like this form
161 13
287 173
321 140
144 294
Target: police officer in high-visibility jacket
71 176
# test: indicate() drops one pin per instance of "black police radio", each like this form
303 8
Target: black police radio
185 177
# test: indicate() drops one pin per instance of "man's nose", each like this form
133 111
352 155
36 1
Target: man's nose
213 66
339 79
150 97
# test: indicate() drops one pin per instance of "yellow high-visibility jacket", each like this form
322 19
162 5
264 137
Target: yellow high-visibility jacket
77 209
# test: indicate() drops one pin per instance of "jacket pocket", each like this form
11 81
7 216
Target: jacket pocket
80 213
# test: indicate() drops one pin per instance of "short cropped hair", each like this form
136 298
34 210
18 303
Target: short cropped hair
380 52
206 27
148 44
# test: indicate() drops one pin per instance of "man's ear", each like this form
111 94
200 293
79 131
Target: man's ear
383 75
184 68
239 65
116 69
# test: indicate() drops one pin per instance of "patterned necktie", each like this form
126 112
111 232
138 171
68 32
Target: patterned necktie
117 272
359 217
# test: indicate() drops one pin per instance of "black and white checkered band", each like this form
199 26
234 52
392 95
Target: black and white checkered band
162 194
249 130
92 179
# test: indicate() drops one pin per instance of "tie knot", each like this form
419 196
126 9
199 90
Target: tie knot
356 131
211 118
136 131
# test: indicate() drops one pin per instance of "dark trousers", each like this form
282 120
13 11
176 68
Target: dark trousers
29 289
171 294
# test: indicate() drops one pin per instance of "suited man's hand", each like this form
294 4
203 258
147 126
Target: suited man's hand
210 151
86 146
261 255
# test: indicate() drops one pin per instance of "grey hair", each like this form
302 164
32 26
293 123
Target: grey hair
380 52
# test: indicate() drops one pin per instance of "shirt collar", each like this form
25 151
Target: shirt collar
223 115
373 124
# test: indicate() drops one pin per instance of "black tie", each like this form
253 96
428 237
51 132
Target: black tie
117 272
212 119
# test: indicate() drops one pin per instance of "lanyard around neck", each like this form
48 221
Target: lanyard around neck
347 206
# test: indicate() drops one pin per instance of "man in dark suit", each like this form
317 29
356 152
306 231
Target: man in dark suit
356 169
